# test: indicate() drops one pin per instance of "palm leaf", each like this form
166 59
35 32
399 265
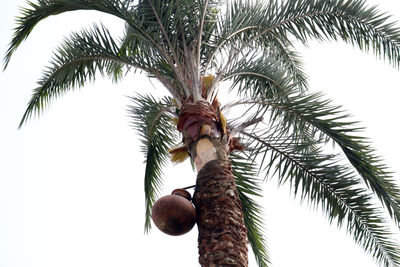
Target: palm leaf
311 112
77 62
36 12
239 27
327 183
258 76
314 118
153 123
177 26
350 21
144 52
247 185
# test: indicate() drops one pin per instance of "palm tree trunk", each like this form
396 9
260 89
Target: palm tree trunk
222 237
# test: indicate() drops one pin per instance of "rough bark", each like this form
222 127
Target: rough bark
222 237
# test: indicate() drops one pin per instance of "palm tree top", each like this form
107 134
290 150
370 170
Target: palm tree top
192 47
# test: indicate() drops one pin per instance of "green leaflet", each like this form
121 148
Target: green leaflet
322 120
158 134
248 187
326 182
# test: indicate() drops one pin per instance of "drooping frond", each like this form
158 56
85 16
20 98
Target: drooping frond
314 118
246 182
36 12
322 119
152 120
350 21
329 184
77 62
170 30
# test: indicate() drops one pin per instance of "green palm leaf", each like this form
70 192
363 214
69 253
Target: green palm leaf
259 76
77 62
247 185
44 8
327 183
313 118
320 117
177 28
239 26
352 21
153 123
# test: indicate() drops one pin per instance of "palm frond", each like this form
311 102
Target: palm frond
177 26
248 187
76 62
309 116
180 24
258 76
321 118
237 29
144 52
350 21
36 12
327 183
152 120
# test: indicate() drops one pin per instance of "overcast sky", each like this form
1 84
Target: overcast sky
71 182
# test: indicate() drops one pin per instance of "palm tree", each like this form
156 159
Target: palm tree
194 47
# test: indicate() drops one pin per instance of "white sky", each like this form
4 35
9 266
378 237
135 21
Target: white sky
71 182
